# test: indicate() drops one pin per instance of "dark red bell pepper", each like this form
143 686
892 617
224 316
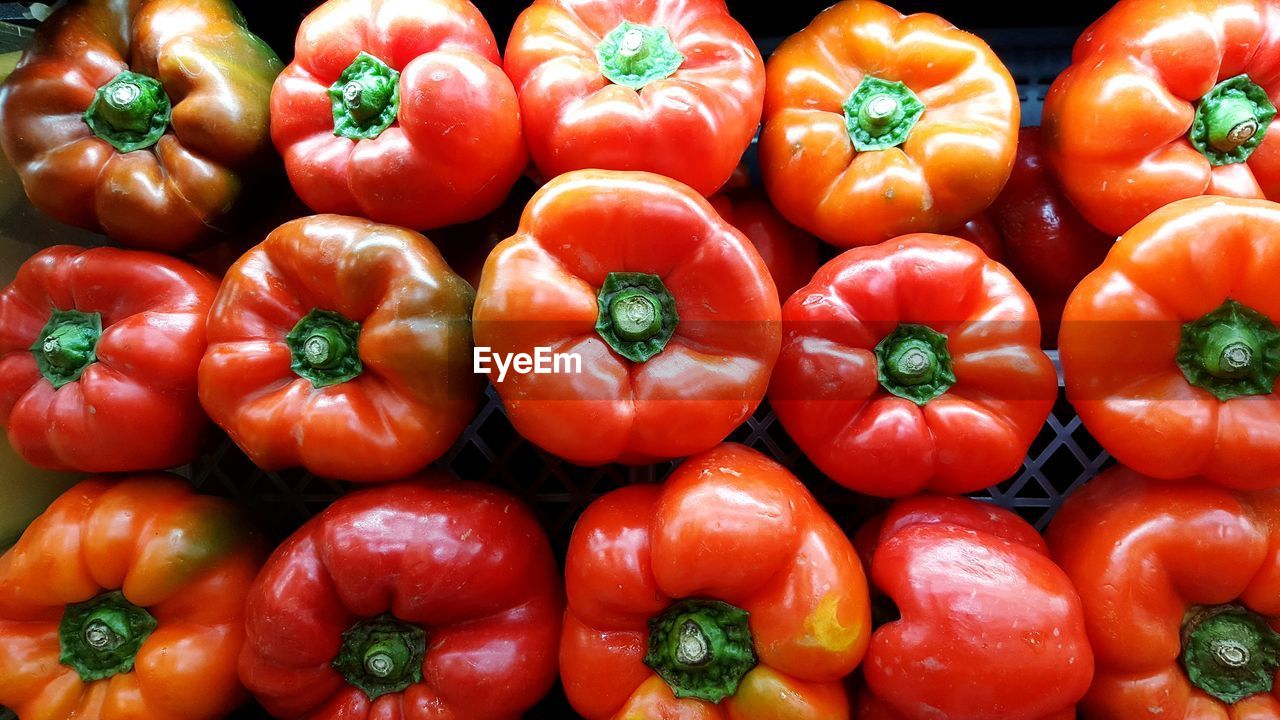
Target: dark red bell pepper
424 599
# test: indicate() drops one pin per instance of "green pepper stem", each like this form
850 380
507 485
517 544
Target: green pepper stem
636 55
1232 351
1230 652
382 655
693 648
325 347
1231 120
131 112
365 99
1231 123
913 363
107 628
67 345
632 51
101 637
637 315
701 648
880 114
1228 351
388 657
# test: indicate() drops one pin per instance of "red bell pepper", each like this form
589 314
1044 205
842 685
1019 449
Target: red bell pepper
668 308
878 124
98 357
1170 349
142 120
424 599
986 625
398 112
914 364
343 346
125 599
673 88
1164 100
1181 596
1047 243
981 231
790 253
726 592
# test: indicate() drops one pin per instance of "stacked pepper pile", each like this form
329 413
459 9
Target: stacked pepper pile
909 366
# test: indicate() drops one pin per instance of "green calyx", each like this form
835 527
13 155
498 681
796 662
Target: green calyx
881 114
67 345
101 637
701 648
1231 120
636 55
365 99
1229 652
637 315
1232 352
131 112
325 347
382 655
913 362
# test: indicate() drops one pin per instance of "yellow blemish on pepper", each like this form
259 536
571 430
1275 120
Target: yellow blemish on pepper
824 629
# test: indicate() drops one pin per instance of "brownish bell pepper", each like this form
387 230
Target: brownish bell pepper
137 119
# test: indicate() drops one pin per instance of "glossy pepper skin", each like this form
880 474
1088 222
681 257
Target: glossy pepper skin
1180 594
669 308
126 599
988 626
790 253
1047 243
398 111
668 87
1163 101
343 346
1169 349
98 355
913 365
425 599
981 231
190 86
876 125
732 527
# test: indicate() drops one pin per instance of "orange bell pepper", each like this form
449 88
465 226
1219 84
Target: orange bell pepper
1180 593
126 600
877 125
668 309
1170 349
727 592
341 345
1164 100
